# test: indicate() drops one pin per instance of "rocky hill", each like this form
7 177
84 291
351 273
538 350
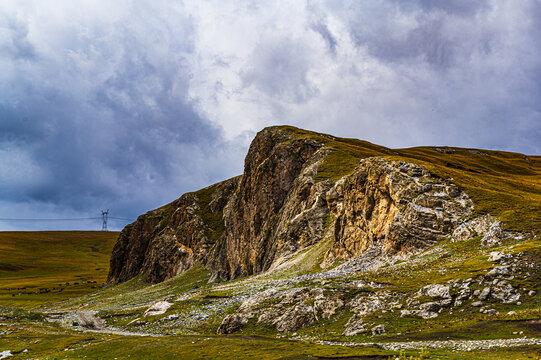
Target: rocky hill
301 188
323 248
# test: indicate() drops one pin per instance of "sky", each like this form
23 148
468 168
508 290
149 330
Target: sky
125 105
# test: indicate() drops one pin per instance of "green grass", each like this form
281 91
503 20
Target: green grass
47 341
46 266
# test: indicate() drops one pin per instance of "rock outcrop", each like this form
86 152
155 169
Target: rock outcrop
251 223
164 242
394 205
276 209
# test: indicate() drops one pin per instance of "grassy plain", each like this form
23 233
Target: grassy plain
40 267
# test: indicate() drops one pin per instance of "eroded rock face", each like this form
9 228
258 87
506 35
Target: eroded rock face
397 206
164 242
262 218
256 222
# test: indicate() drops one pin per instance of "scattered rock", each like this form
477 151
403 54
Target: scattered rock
157 308
505 293
435 290
378 329
297 317
477 304
232 323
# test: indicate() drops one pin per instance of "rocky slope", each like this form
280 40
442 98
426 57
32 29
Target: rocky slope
388 203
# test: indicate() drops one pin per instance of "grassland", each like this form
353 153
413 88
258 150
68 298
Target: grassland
47 266
122 304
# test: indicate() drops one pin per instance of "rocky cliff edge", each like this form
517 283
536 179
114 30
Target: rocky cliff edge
298 188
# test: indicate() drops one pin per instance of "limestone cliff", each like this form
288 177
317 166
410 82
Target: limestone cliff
394 205
282 204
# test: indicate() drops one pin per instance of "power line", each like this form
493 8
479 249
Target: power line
104 218
68 219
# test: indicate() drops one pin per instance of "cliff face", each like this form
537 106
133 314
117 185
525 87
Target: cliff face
164 242
273 190
395 206
247 225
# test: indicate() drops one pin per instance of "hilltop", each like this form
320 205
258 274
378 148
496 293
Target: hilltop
324 247
286 200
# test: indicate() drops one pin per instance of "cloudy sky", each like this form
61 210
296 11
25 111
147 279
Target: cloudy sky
124 105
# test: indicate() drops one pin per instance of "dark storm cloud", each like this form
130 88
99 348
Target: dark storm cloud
126 105
17 45
420 31
101 122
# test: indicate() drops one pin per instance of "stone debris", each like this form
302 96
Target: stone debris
87 320
157 308
461 345
435 290
378 330
232 323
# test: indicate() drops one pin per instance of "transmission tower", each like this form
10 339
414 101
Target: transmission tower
104 216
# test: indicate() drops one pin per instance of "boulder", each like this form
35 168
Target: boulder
435 290
355 326
499 270
495 256
88 320
484 295
296 317
232 323
420 313
157 308
378 329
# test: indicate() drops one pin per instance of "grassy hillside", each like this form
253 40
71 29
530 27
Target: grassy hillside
504 184
47 266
